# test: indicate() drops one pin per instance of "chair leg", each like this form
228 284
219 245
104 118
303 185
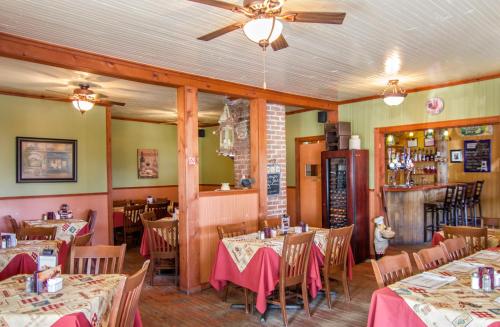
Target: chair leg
283 305
347 292
305 298
152 273
327 291
245 291
226 293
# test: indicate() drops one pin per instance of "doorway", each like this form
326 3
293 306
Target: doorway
308 179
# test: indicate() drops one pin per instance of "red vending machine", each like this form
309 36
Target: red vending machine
345 196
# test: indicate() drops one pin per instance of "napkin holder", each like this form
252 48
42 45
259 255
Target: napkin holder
47 259
54 284
285 223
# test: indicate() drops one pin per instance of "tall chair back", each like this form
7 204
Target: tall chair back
160 209
455 248
13 224
148 215
91 219
391 269
83 240
97 259
477 191
163 238
430 258
37 233
231 230
461 190
120 203
295 258
270 222
476 238
449 196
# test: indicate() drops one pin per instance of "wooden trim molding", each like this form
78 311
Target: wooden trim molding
16 47
49 196
224 193
142 187
143 121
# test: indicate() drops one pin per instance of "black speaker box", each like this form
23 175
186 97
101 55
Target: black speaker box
201 133
322 116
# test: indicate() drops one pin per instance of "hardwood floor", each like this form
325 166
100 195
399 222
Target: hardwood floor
165 306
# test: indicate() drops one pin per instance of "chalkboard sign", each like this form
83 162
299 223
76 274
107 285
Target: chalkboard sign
273 184
477 156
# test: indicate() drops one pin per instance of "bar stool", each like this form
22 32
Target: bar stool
476 203
459 207
469 203
434 208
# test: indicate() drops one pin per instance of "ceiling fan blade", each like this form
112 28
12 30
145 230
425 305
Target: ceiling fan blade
314 17
221 31
219 4
110 103
279 43
54 91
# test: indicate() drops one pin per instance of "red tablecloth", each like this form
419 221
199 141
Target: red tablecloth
79 320
261 274
25 264
118 219
436 238
144 250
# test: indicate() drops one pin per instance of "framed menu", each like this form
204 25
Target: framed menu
477 156
273 184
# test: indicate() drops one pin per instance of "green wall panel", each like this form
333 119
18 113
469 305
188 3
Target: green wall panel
214 169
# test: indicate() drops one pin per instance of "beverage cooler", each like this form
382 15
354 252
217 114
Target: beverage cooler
345 196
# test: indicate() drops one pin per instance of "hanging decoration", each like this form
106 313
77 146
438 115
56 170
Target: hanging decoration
226 133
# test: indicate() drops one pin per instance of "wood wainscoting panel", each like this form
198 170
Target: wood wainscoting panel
129 193
221 210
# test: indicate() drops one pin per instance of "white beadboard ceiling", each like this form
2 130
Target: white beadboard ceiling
435 40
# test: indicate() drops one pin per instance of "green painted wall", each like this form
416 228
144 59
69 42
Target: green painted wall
480 99
299 125
51 119
214 169
127 137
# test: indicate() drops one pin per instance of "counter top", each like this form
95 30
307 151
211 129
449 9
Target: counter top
234 191
388 188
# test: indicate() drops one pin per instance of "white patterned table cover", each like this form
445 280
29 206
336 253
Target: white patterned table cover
32 248
66 228
455 304
91 295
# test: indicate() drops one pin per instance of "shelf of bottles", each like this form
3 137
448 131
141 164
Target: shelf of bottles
337 198
421 161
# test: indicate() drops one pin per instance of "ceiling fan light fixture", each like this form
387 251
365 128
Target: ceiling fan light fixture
263 30
393 94
82 105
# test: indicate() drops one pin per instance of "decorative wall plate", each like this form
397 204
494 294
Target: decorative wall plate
435 106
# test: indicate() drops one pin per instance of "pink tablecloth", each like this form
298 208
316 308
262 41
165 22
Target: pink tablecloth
79 320
144 250
25 264
261 274
118 219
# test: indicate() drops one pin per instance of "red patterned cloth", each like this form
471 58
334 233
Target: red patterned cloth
261 275
79 320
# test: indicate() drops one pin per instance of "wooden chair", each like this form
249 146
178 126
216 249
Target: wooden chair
148 215
132 221
390 269
91 219
455 248
335 265
163 200
120 203
476 238
231 230
270 222
37 233
97 259
160 209
82 240
430 258
163 246
126 302
293 269
13 224
139 202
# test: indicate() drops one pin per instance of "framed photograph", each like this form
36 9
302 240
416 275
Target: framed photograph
41 160
147 163
412 143
456 156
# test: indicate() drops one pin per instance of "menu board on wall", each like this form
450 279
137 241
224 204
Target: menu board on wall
273 184
477 156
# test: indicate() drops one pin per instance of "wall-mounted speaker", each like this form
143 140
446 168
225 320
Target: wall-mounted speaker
322 116
201 133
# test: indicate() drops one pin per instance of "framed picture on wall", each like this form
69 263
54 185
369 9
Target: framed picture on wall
147 163
456 156
43 160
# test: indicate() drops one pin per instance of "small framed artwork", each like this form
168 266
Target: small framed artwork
456 156
41 160
412 143
147 163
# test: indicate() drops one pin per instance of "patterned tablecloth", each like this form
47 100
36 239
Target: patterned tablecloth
455 304
31 248
87 294
66 228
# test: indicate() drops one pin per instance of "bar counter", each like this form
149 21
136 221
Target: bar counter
405 210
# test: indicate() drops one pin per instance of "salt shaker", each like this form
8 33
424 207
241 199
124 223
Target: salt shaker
29 284
486 283
474 281
273 233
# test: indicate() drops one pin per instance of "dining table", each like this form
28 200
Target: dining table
493 237
254 264
84 300
23 258
144 250
408 303
67 229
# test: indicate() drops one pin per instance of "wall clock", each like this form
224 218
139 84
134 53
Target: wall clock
434 106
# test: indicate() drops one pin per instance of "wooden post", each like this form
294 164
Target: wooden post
109 174
187 151
333 115
258 151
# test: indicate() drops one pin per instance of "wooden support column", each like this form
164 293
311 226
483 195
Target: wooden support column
109 174
187 151
258 151
333 115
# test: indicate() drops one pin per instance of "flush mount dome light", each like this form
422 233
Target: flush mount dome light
393 94
263 31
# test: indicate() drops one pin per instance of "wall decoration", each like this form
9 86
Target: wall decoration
456 156
434 106
147 163
429 137
477 156
41 160
412 143
475 130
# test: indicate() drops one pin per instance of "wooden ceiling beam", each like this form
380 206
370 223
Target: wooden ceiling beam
55 55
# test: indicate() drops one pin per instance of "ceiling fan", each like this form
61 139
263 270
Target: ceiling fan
84 99
264 26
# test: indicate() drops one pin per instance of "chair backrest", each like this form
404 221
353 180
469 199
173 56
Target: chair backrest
148 215
270 222
98 259
91 219
37 233
160 209
430 258
460 194
449 195
83 240
477 191
13 224
295 257
390 269
139 202
337 248
120 203
162 200
163 238
455 248
469 192
132 215
476 238
231 230
125 306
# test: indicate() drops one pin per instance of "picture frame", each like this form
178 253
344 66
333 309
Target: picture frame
147 163
46 160
413 143
456 156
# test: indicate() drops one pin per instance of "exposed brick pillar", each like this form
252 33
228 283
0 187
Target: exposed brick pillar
276 152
